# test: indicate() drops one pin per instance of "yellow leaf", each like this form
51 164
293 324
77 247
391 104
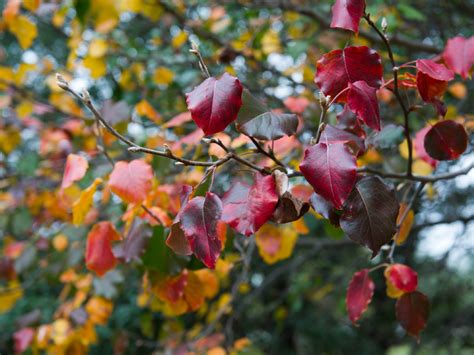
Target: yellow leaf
271 42
105 14
24 109
9 139
179 39
9 295
60 242
84 203
420 167
97 66
99 310
24 30
97 48
405 227
7 74
275 243
60 331
144 108
163 76
31 5
370 157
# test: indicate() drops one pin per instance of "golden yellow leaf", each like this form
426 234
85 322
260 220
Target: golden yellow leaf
98 48
275 243
10 138
24 109
24 30
105 14
84 203
60 242
60 331
179 39
405 227
97 66
31 5
99 310
163 76
271 42
9 295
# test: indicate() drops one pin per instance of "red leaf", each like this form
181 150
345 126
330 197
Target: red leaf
247 208
331 169
347 13
336 69
23 338
419 145
199 223
432 79
99 256
412 311
402 277
215 103
370 214
362 99
446 140
76 167
459 55
359 294
296 104
131 181
332 134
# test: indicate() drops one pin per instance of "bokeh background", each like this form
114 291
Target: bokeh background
133 56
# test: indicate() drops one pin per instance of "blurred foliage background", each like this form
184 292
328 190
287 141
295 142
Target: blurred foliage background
133 56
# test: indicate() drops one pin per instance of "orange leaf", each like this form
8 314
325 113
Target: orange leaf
405 227
131 181
76 167
99 256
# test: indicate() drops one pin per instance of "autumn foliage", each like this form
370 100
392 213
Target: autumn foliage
217 171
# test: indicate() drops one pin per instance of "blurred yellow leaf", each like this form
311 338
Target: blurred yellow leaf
24 109
97 66
24 30
179 39
9 295
144 108
271 42
163 76
105 14
60 331
99 310
9 139
84 203
458 90
60 242
420 167
405 227
275 243
97 48
31 5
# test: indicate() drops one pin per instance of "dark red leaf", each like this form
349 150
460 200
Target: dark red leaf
215 103
99 256
199 223
419 145
332 134
362 99
324 208
347 14
412 311
446 140
177 240
359 294
402 277
459 55
330 168
432 79
336 69
348 121
370 214
247 208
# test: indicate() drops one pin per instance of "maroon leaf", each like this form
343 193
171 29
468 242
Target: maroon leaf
215 103
412 311
446 140
199 223
324 208
432 80
419 145
332 134
370 214
336 69
330 168
359 294
347 14
176 240
348 121
362 99
247 208
459 55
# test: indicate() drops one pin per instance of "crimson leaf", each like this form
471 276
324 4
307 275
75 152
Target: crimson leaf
370 214
347 13
402 277
247 208
446 140
332 134
330 168
338 68
215 103
362 99
359 294
412 311
199 223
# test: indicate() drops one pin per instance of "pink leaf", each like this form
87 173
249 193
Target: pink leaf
346 14
247 208
131 181
76 168
331 169
459 55
23 338
419 145
362 99
359 294
215 103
